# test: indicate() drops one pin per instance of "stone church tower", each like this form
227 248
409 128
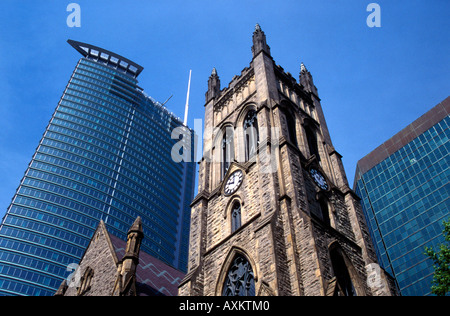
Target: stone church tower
275 214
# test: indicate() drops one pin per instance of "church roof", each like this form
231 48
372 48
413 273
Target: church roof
153 277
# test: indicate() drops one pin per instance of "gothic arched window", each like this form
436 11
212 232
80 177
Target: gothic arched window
235 217
227 149
240 280
344 281
251 134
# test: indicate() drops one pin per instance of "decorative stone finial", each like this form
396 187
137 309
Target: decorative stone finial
259 41
213 86
302 67
136 227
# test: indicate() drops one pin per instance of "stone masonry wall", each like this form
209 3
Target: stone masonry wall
99 258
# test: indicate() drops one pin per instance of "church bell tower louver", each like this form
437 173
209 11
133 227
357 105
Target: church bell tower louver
274 214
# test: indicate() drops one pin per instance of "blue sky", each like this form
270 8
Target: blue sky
372 81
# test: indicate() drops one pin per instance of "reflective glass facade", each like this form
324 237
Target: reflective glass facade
105 154
405 197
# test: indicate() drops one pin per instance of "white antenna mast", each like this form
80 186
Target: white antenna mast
187 100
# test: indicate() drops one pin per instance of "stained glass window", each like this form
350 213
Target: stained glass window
240 280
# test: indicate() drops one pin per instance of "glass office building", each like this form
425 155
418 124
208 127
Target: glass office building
404 186
105 155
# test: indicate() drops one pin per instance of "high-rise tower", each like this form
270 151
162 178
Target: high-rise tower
404 186
105 155
274 214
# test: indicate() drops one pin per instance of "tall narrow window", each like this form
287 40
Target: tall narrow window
344 282
235 217
85 282
312 142
227 149
251 134
324 211
292 131
240 280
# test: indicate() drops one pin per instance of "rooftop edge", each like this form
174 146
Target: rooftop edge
91 51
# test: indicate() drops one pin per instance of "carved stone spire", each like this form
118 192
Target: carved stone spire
306 80
213 86
259 42
134 238
126 278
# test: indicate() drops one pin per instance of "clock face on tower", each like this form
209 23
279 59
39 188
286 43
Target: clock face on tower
233 182
319 179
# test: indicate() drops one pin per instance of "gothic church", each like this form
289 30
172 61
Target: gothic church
274 214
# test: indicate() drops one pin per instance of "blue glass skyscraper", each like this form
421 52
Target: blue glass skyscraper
404 186
105 154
